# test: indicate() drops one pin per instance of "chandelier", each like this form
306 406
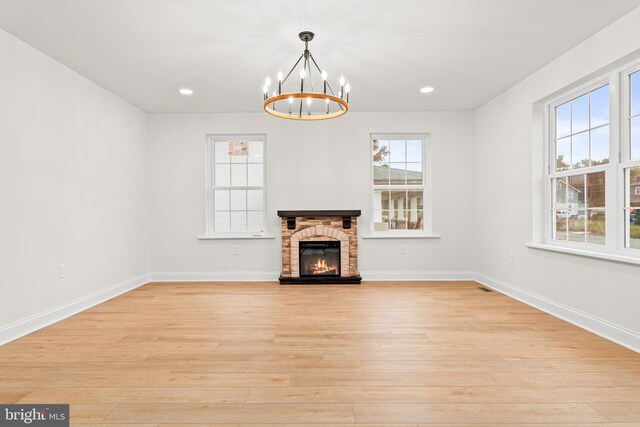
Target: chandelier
307 103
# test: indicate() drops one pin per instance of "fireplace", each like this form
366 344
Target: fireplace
320 258
319 247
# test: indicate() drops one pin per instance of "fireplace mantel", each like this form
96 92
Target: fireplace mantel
287 214
319 225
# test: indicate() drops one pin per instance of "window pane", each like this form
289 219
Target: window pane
238 175
414 173
238 200
563 120
397 209
600 106
222 175
561 225
415 208
635 138
596 231
576 193
381 174
633 207
577 226
256 175
397 173
380 152
238 221
635 93
222 222
414 151
398 152
240 157
580 150
580 114
256 154
222 151
221 200
634 187
255 200
255 220
561 193
596 190
600 146
563 154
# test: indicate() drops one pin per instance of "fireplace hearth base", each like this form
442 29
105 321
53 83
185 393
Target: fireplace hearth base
321 280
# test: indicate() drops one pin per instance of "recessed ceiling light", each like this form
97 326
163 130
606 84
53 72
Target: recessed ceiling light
427 89
185 91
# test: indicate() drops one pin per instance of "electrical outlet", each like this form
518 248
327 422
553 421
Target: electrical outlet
512 258
403 249
236 250
62 271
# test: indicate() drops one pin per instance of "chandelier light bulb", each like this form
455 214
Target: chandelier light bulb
308 102
324 75
267 82
303 73
342 80
280 76
347 88
274 93
291 100
265 89
327 101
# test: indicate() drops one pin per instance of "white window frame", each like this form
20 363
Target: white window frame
615 183
427 231
210 186
625 152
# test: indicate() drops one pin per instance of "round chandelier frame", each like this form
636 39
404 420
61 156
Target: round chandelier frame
298 105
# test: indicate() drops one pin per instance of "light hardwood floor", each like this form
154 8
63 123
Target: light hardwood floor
386 353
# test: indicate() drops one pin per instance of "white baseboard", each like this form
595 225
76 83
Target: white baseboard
412 276
603 328
271 276
31 324
219 276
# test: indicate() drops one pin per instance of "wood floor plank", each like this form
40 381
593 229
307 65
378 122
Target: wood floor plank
619 412
360 394
511 413
429 353
138 395
230 413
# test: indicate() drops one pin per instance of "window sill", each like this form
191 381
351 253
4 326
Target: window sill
400 236
237 237
586 253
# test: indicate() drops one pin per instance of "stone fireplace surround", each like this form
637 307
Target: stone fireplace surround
336 225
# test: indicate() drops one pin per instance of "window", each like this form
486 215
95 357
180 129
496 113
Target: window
235 185
581 146
631 156
400 185
593 180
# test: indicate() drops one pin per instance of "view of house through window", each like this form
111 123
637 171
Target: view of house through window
398 183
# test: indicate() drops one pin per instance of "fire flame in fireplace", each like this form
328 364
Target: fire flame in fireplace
321 267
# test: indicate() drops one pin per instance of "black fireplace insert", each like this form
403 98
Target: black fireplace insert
320 258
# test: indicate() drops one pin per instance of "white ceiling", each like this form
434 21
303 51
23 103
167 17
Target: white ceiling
469 50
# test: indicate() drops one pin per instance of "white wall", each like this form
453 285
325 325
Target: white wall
322 165
74 185
508 176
